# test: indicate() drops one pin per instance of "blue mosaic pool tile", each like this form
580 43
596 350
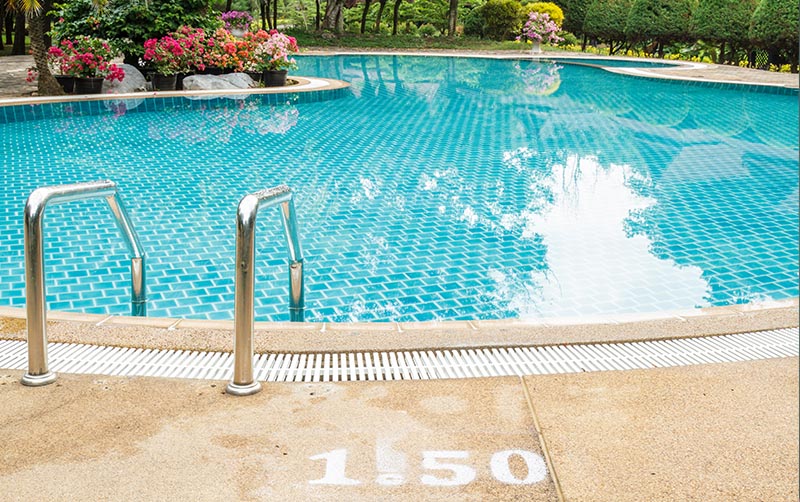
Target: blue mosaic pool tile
399 224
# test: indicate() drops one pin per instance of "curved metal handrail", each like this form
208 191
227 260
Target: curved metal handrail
38 372
243 383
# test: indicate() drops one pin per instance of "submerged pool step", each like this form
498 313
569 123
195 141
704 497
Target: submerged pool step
412 365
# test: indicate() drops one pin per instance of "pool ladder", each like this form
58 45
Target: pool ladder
242 383
38 371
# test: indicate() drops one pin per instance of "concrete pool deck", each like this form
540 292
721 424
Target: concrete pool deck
725 431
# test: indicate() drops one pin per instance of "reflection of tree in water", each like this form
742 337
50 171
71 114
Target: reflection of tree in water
596 141
539 78
215 123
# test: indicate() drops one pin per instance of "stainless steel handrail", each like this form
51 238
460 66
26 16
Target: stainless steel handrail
243 383
38 372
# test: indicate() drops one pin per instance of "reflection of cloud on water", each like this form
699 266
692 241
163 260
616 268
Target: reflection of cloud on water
590 257
590 260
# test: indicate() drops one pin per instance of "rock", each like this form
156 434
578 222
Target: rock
240 80
134 81
206 83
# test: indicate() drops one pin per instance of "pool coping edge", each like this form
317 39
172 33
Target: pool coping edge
202 335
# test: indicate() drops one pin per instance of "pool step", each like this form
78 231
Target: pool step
412 365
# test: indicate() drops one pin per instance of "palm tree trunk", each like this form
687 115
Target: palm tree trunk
47 83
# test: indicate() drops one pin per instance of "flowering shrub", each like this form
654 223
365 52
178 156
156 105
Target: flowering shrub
237 19
193 42
85 57
540 28
166 54
273 53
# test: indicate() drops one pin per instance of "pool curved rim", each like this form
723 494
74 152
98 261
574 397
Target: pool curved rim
192 334
208 335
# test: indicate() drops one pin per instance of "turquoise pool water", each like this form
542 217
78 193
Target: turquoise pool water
436 188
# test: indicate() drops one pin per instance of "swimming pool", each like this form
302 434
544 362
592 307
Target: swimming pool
438 188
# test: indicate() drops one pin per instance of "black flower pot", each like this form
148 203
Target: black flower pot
164 82
274 78
88 85
212 70
66 82
255 75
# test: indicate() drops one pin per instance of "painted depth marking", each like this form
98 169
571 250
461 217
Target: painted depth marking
412 365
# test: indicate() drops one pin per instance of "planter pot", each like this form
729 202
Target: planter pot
179 81
238 32
88 85
66 82
255 75
274 78
537 47
164 82
212 70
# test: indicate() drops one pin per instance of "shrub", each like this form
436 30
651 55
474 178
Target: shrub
662 21
574 14
774 25
605 20
549 8
723 22
427 30
473 23
499 19
128 24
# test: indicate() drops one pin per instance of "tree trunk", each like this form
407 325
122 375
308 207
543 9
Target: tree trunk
275 15
364 13
2 23
317 18
452 18
228 5
47 6
19 35
721 57
395 16
9 22
583 44
333 9
263 9
47 83
381 6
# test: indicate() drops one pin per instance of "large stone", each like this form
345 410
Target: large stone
206 83
134 81
240 80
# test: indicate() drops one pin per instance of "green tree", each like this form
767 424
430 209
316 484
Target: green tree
723 22
605 20
496 19
549 8
774 26
128 23
574 16
659 21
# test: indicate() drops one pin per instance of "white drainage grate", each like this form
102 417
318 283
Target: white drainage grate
412 365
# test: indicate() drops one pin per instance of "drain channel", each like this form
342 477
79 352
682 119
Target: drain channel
412 365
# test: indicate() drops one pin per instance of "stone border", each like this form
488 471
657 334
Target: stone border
305 84
187 334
